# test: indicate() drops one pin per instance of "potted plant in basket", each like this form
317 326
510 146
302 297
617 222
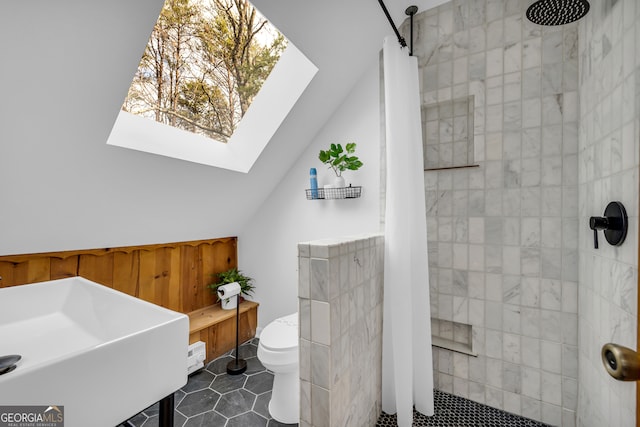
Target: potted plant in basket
340 160
230 276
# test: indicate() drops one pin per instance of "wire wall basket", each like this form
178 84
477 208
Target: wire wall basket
334 193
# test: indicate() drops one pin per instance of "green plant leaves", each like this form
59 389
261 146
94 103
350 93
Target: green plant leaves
353 163
324 156
339 162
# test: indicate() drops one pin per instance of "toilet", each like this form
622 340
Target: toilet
278 352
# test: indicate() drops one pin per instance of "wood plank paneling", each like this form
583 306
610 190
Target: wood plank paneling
217 327
97 268
99 252
29 271
203 295
215 259
21 273
225 337
248 325
174 293
38 270
6 274
126 267
162 275
146 278
189 277
211 334
64 267
223 334
173 275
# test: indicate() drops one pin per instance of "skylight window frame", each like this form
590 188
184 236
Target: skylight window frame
281 90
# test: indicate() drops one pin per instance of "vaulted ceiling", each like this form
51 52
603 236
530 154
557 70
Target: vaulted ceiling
340 37
66 68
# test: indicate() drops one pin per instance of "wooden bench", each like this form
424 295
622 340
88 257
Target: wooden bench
217 327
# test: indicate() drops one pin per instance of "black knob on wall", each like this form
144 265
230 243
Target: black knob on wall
614 223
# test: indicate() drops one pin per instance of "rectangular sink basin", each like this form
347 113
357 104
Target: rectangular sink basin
102 354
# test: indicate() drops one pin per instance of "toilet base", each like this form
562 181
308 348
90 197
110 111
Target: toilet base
284 405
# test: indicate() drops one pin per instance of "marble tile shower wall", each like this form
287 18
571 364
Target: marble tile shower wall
608 170
503 236
340 296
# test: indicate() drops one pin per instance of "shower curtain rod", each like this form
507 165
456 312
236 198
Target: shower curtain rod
401 39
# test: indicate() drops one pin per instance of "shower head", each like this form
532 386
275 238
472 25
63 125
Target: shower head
411 10
557 12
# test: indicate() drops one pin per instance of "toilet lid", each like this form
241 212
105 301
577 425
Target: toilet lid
281 334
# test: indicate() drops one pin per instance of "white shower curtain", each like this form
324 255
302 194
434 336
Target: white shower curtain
407 376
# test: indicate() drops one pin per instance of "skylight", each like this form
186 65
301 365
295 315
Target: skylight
215 82
203 65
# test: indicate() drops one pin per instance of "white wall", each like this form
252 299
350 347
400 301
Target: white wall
267 247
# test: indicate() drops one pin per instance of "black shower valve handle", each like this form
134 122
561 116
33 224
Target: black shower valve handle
598 223
613 223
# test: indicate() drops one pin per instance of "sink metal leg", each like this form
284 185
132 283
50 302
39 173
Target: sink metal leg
165 417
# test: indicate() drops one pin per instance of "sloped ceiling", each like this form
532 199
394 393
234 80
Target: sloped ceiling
68 61
66 68
341 38
338 34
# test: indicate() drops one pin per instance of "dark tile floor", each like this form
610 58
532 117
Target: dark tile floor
212 398
454 411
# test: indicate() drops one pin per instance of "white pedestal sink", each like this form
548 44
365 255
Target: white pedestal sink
100 353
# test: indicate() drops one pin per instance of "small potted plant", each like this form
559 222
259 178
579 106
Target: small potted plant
230 276
340 160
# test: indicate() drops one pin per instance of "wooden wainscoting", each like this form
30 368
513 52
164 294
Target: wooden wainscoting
172 275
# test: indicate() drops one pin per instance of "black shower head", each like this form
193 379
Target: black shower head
411 10
557 12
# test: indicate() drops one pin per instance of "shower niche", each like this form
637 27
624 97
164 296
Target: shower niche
452 336
447 134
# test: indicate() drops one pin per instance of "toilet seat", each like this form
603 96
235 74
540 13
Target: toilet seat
281 335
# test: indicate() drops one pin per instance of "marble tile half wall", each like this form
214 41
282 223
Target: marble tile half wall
340 296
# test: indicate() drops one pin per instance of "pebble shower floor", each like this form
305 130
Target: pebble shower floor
454 411
212 398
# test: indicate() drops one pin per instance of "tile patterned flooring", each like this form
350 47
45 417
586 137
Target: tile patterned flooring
213 398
